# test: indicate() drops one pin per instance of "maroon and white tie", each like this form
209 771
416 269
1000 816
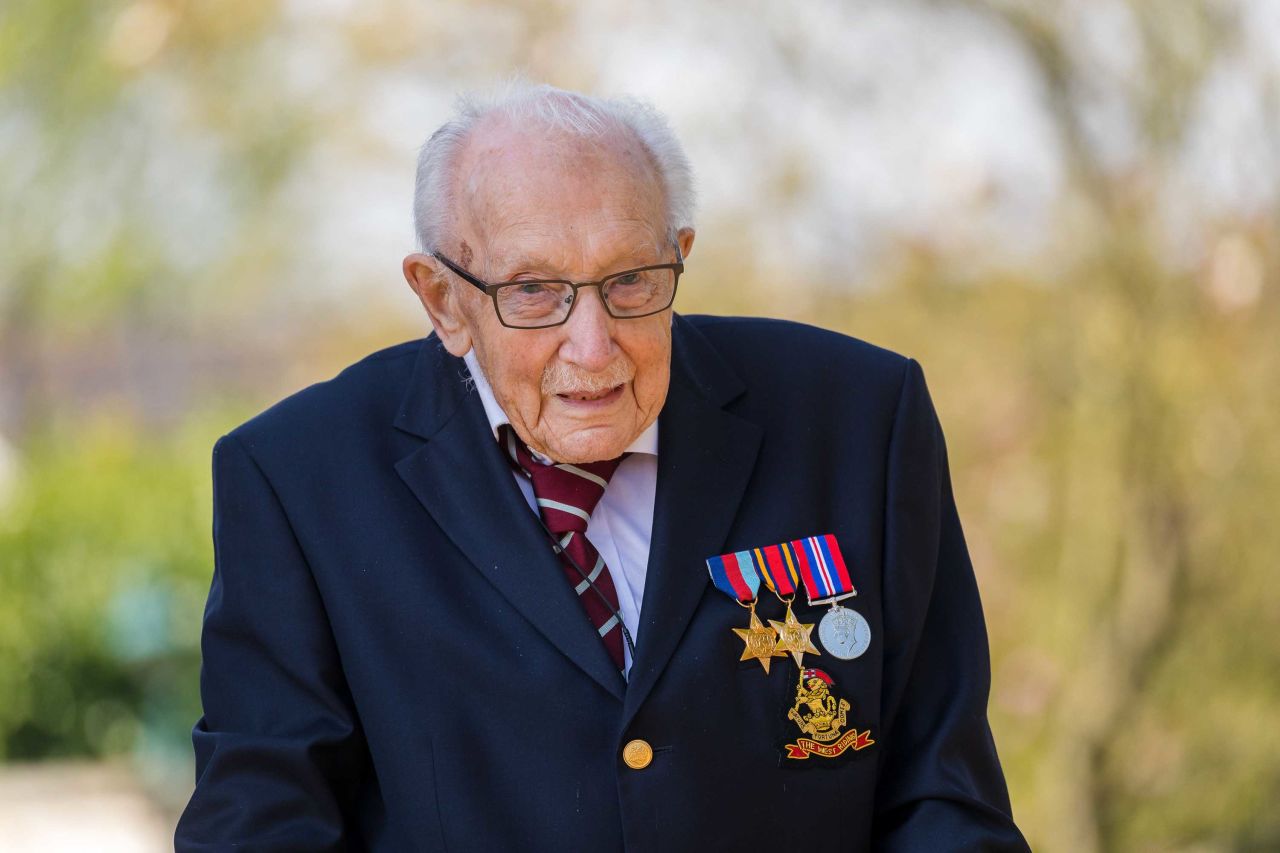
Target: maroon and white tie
566 496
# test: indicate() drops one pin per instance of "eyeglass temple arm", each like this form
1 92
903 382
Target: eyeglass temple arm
490 288
461 273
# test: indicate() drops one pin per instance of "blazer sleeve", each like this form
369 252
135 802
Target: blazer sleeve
278 750
941 784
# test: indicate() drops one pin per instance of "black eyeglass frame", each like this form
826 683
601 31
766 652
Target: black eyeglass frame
492 289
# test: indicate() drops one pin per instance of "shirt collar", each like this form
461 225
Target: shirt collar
645 442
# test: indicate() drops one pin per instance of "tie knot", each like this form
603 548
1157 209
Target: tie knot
566 494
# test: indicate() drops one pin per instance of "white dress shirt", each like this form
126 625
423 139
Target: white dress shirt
621 525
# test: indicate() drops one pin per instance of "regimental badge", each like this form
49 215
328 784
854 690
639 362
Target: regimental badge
821 716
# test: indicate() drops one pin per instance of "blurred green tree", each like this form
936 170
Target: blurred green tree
141 163
141 157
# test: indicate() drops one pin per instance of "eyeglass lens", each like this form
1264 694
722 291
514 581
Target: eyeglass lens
542 303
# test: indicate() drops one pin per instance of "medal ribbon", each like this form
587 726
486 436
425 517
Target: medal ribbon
821 567
735 575
778 569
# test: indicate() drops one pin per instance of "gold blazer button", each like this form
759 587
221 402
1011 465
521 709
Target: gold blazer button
637 754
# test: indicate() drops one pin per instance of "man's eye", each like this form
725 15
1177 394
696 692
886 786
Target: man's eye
629 278
531 287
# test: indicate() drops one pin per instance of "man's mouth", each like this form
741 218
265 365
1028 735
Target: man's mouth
591 396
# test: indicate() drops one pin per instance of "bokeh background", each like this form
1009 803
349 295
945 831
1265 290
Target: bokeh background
1069 212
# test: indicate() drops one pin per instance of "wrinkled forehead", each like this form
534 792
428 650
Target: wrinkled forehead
553 256
512 178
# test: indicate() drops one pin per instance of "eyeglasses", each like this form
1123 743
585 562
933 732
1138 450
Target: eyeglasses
541 303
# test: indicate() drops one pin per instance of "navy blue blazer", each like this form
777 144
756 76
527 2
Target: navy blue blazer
393 660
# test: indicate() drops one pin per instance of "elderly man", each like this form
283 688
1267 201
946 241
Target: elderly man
577 573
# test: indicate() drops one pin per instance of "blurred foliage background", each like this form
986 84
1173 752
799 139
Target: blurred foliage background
1069 213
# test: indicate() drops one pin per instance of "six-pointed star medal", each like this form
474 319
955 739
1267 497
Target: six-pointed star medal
793 636
759 640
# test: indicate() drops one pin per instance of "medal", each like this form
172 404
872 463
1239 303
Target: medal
759 640
816 564
844 633
793 636
735 575
779 572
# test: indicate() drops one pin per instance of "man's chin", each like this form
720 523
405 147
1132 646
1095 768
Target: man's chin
590 444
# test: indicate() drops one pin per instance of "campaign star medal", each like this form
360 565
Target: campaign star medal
735 575
793 636
821 717
778 569
759 640
844 633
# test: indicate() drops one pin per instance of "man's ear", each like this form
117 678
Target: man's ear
424 276
684 237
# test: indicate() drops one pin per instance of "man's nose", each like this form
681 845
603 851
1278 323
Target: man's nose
589 332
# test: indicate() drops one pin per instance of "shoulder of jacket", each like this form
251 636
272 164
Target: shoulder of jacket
756 345
366 390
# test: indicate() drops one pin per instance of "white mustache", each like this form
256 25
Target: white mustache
559 378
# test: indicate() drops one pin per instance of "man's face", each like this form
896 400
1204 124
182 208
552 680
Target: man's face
567 209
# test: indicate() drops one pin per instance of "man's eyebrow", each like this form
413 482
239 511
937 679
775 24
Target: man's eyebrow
641 254
515 263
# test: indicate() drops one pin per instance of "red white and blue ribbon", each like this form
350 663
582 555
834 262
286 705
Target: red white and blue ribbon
822 568
735 575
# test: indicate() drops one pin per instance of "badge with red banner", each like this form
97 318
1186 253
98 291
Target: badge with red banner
822 718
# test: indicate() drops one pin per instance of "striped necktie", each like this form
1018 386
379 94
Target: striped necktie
566 495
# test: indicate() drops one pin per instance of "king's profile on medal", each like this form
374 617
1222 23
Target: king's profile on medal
568 491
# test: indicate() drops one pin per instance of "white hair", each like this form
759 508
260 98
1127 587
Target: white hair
556 110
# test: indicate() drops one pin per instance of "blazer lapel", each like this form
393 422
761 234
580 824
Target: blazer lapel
705 459
462 479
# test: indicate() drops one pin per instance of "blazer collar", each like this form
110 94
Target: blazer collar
705 459
706 456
